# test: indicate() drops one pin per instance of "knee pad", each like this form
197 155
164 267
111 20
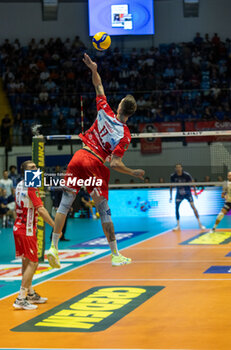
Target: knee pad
66 202
104 211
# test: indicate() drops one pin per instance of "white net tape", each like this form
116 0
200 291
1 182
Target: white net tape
152 135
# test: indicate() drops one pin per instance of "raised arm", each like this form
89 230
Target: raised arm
96 80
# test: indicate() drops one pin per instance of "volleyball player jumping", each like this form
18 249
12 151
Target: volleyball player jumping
109 136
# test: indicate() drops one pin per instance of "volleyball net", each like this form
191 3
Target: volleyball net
206 155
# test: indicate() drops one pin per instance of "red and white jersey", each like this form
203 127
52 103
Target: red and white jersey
107 135
27 202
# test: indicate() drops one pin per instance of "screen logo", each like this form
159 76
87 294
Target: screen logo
120 17
33 178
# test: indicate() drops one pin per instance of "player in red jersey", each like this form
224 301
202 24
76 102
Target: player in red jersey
28 206
108 137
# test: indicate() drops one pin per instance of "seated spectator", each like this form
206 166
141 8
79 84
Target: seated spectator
196 59
14 176
78 43
17 130
7 206
7 184
50 85
114 85
141 103
44 75
147 180
169 72
198 40
207 39
207 115
61 125
43 96
220 114
216 40
5 130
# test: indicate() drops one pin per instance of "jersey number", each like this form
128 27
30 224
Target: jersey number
104 131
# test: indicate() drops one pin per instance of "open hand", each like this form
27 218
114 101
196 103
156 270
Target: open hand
89 63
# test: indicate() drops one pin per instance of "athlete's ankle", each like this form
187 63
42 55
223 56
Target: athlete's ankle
55 239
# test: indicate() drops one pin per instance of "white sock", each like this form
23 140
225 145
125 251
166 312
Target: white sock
55 239
114 249
30 290
22 293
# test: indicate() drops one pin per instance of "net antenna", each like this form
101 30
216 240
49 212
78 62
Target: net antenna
82 115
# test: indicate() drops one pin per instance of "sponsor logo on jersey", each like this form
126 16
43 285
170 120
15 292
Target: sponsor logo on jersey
92 311
210 238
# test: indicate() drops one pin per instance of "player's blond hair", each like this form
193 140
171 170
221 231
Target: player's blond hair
128 106
24 166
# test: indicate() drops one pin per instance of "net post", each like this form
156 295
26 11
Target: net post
38 157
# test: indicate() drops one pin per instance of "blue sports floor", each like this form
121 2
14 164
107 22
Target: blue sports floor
86 236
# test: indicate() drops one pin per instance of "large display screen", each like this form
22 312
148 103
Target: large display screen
121 17
155 203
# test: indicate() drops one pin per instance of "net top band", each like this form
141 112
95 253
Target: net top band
149 135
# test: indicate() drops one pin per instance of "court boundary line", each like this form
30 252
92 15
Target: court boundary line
144 279
89 262
217 246
174 261
80 349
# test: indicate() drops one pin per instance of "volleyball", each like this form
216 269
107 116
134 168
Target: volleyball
101 41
